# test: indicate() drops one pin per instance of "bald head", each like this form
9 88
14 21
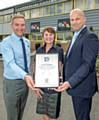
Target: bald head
77 19
78 11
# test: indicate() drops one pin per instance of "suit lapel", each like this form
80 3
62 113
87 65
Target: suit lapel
77 40
68 47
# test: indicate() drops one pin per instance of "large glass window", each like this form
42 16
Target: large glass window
35 13
67 7
97 4
26 14
7 18
60 8
40 11
79 4
1 19
46 11
90 4
52 9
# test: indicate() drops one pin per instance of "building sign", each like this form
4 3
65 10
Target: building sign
35 27
63 24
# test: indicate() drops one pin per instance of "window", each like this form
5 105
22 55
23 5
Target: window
46 10
35 13
52 9
7 18
97 4
40 11
78 4
90 4
1 19
26 14
67 7
60 8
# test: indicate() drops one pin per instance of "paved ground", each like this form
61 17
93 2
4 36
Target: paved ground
66 108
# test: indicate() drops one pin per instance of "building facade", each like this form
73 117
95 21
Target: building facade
55 13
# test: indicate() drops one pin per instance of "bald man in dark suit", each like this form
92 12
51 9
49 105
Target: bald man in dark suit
80 79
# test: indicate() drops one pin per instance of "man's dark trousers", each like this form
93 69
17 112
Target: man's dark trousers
15 97
82 107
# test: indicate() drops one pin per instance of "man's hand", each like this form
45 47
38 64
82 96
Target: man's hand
30 82
63 87
39 93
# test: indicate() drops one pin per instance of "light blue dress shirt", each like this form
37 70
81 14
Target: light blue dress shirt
13 59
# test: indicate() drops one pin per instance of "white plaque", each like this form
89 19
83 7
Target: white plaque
46 70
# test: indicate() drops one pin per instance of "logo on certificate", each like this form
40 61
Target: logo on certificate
46 80
46 59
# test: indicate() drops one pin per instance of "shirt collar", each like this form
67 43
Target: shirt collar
77 32
43 47
16 37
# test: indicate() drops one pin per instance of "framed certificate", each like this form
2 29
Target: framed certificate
46 70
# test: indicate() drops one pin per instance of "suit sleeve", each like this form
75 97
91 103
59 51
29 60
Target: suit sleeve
89 55
61 55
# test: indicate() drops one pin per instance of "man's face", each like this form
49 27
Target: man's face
18 26
77 21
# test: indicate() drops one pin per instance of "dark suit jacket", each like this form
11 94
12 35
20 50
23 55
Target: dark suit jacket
79 66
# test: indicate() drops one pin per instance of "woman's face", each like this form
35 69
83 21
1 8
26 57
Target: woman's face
48 37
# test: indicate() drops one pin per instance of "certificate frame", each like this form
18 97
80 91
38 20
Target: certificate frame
46 70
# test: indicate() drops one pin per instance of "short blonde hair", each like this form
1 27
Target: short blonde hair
17 16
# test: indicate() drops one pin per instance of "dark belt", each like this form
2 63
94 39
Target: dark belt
12 79
48 90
